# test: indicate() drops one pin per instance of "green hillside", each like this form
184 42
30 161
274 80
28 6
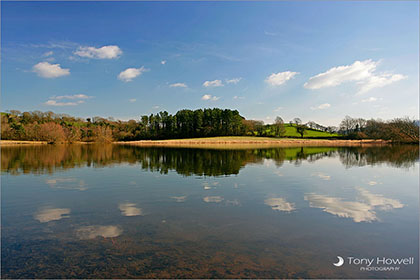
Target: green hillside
310 133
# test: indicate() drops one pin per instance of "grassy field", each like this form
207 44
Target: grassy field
310 133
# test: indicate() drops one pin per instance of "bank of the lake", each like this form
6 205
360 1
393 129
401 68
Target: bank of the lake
18 142
226 141
244 142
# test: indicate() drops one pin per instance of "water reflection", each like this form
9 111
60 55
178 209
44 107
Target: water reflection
285 212
130 209
280 204
179 198
52 214
215 199
91 232
66 183
360 211
322 176
188 162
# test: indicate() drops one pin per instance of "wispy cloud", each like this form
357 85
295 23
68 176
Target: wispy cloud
49 53
130 73
105 52
215 83
362 72
233 81
270 33
132 100
277 79
371 99
75 96
78 99
209 97
182 85
321 107
55 103
47 70
163 62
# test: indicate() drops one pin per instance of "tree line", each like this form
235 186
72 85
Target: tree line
51 127
55 128
404 130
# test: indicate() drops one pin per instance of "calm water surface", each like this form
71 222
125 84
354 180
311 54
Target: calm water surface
86 211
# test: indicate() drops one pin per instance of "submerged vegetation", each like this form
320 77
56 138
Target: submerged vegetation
60 128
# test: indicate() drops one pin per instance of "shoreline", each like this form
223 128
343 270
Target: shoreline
21 142
225 142
219 142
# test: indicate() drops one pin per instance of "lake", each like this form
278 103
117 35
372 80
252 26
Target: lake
113 211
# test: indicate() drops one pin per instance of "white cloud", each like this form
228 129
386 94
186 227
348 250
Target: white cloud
130 73
280 204
278 109
361 72
130 209
163 62
178 85
233 81
47 70
215 83
209 97
277 79
371 99
132 100
379 81
55 103
105 52
321 107
75 96
52 214
53 100
238 97
50 53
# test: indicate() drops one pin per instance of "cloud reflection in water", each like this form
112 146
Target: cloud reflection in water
91 232
130 209
359 211
279 204
52 214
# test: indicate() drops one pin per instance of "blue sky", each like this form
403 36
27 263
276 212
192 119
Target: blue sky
318 61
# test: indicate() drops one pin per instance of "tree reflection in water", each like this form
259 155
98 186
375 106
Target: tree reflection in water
191 161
